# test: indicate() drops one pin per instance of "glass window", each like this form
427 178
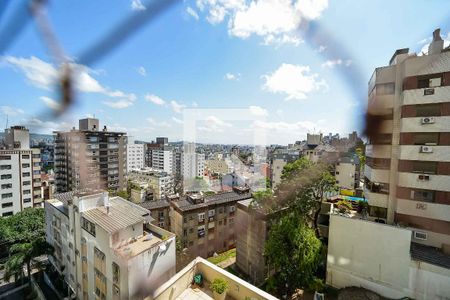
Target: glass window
423 138
116 273
428 110
385 88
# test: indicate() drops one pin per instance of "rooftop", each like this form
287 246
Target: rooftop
216 199
114 220
154 204
430 255
149 239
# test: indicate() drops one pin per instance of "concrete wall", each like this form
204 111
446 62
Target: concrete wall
346 176
377 257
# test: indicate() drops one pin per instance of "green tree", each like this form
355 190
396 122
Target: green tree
24 233
26 253
294 251
303 188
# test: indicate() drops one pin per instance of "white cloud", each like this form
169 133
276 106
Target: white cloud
301 127
11 111
294 80
176 120
321 48
258 111
118 104
177 107
275 20
39 126
50 103
336 62
137 5
214 124
45 76
192 12
142 71
158 123
231 76
194 104
154 99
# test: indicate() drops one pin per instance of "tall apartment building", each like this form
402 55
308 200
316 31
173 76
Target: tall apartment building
135 157
192 163
20 172
407 184
205 224
162 159
90 158
106 248
407 170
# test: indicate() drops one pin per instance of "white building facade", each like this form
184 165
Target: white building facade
135 156
107 246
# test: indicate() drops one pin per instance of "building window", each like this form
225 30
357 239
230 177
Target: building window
428 167
377 212
232 209
27 192
6 214
5 157
26 174
5 167
426 138
88 226
201 231
201 217
100 284
26 183
25 165
385 88
428 110
116 273
6 186
211 213
8 204
7 195
6 176
25 156
27 200
424 196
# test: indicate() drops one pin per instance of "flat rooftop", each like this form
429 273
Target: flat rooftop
216 199
149 240
430 255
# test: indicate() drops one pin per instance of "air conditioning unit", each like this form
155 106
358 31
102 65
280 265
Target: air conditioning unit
426 149
423 177
419 235
428 120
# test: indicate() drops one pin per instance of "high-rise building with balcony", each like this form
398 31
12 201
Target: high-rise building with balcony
90 158
406 251
20 172
407 170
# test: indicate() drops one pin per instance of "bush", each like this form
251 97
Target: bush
344 206
317 285
219 285
362 205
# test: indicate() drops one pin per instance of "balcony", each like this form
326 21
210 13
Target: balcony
424 209
430 182
418 96
413 152
379 151
179 286
376 175
376 199
440 124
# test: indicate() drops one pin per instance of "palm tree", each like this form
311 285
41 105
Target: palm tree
26 253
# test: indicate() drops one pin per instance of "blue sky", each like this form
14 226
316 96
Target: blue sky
216 54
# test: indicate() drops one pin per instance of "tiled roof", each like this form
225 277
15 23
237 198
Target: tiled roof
216 199
113 221
430 255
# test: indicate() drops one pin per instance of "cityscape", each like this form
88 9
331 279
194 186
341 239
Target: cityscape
213 149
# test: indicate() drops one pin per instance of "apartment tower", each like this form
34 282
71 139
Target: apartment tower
90 158
407 172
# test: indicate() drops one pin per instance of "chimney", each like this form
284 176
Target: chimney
437 44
